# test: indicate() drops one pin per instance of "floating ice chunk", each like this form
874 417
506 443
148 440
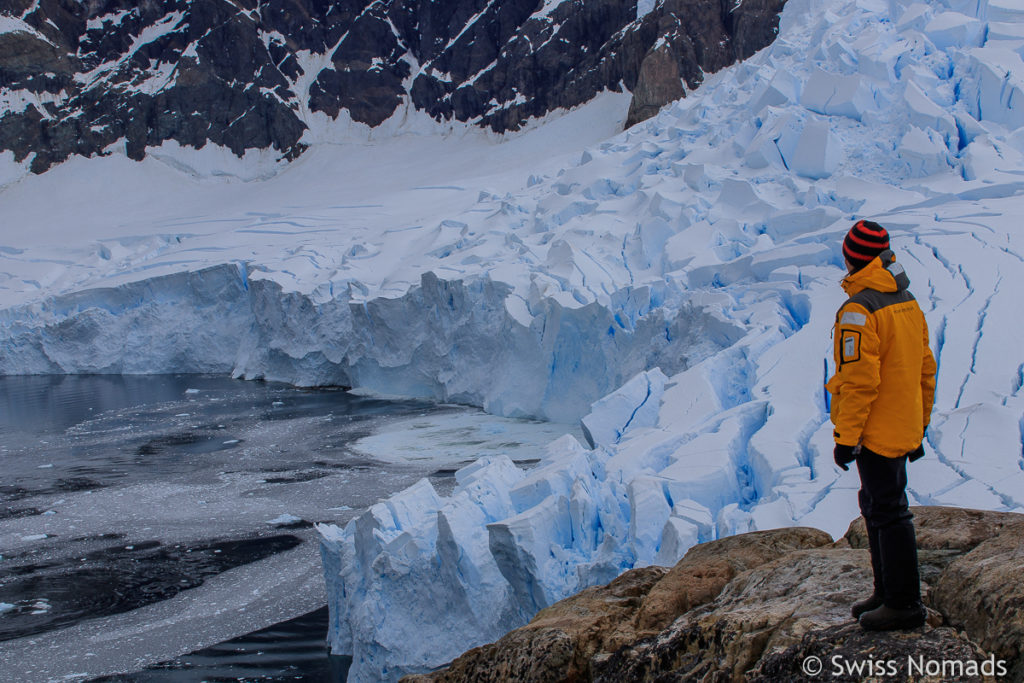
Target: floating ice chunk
284 520
634 404
34 537
41 606
6 607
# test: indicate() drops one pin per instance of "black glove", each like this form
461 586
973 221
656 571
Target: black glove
843 456
918 452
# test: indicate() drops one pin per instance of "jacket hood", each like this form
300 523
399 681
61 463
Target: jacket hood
882 274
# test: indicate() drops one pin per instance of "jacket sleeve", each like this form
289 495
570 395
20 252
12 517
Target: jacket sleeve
928 369
854 387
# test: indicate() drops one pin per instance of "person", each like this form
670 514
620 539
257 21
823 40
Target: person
882 393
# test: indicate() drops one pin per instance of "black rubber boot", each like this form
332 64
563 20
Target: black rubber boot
877 597
859 608
890 619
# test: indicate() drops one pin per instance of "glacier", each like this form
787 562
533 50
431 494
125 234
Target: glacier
671 288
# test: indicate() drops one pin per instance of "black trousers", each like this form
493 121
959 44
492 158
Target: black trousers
883 502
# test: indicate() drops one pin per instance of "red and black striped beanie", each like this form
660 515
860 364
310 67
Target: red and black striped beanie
864 242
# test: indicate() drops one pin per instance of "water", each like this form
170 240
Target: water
146 517
291 651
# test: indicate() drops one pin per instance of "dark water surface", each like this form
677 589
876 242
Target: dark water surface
122 497
290 651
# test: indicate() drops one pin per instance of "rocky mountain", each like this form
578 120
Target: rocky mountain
763 606
77 76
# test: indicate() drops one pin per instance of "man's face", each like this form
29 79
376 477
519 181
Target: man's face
849 266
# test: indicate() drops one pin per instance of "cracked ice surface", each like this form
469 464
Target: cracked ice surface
681 277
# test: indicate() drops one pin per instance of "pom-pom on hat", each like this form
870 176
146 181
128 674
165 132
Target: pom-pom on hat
864 242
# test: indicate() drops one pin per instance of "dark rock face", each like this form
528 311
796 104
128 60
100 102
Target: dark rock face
758 606
77 77
658 84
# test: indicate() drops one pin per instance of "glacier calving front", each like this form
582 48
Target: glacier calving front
672 286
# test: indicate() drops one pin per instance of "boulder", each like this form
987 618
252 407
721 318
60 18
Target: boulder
705 570
981 592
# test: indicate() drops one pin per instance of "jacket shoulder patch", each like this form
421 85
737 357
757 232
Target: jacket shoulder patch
850 347
853 318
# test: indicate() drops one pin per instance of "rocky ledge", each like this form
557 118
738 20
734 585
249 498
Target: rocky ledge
774 606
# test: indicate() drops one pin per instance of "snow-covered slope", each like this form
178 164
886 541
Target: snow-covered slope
690 266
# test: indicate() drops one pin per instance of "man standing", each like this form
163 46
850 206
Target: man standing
882 395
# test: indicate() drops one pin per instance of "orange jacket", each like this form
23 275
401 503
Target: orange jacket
884 384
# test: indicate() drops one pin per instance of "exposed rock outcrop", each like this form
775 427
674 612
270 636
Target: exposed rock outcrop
658 84
754 607
77 77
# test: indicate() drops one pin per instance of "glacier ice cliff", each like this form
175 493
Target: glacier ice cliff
447 340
